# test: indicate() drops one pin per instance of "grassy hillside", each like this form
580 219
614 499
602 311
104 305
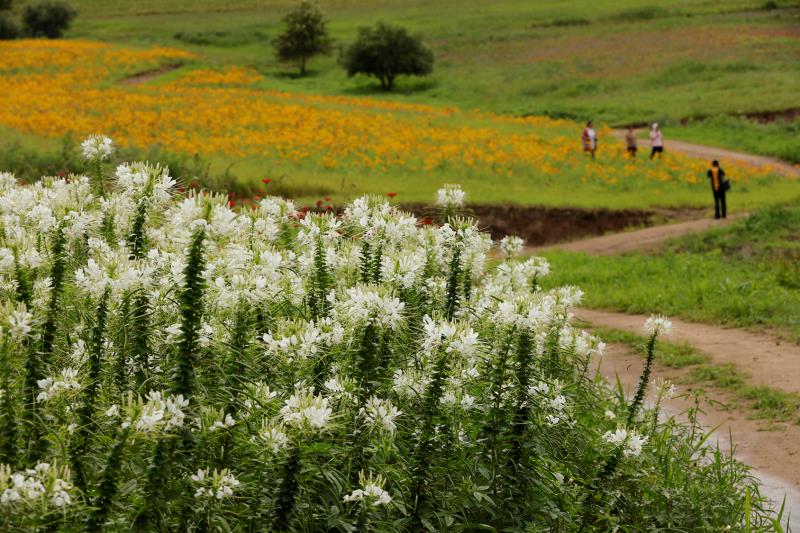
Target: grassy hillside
314 146
619 61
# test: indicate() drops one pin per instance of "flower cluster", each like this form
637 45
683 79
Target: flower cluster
42 483
97 147
630 441
224 368
52 387
218 484
371 492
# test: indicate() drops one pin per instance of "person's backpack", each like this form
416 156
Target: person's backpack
725 186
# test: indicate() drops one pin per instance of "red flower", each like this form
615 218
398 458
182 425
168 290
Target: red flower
266 180
232 203
330 208
319 203
182 188
327 198
256 197
426 221
391 194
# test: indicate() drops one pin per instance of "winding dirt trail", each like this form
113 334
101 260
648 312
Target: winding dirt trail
766 359
772 454
710 153
646 239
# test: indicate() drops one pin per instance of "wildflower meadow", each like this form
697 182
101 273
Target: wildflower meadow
321 145
172 363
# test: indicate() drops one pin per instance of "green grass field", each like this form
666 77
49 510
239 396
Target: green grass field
616 61
745 275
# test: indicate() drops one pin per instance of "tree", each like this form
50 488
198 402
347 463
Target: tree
387 51
5 5
48 19
305 35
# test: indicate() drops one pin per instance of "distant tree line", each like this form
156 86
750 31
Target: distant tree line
384 51
48 19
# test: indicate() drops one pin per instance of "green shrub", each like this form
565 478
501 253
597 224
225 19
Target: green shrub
48 19
385 52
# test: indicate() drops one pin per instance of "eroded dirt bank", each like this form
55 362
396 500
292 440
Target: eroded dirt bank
540 225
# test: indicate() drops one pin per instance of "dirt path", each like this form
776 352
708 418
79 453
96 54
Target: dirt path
710 152
144 77
767 360
639 240
772 454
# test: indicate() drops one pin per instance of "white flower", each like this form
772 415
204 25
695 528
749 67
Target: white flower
371 492
304 409
20 323
52 387
113 410
609 415
616 438
381 413
511 245
450 196
634 445
97 147
218 484
657 324
227 422
273 436
631 441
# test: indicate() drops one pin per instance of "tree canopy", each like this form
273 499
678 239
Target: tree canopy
385 52
305 36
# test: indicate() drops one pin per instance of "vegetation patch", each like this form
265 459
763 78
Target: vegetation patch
172 363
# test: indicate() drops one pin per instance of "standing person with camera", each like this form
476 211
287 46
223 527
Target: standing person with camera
719 186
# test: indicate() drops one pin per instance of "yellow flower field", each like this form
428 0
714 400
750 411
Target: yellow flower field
53 88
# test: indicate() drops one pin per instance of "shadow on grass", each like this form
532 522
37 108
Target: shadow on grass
403 87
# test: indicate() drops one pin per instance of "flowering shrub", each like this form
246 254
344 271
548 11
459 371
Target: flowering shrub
169 363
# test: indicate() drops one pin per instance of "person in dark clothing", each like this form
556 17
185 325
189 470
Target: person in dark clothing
719 185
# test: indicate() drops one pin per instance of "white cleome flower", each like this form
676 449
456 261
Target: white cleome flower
371 492
658 325
97 147
381 413
450 196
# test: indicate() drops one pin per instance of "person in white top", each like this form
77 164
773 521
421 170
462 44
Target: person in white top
589 139
656 141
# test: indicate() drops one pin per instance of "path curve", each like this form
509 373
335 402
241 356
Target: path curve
148 75
646 239
773 455
766 359
709 153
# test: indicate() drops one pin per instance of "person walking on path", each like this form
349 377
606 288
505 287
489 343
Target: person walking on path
656 141
719 186
630 141
589 139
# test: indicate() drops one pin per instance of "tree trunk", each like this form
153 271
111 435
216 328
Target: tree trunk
302 66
